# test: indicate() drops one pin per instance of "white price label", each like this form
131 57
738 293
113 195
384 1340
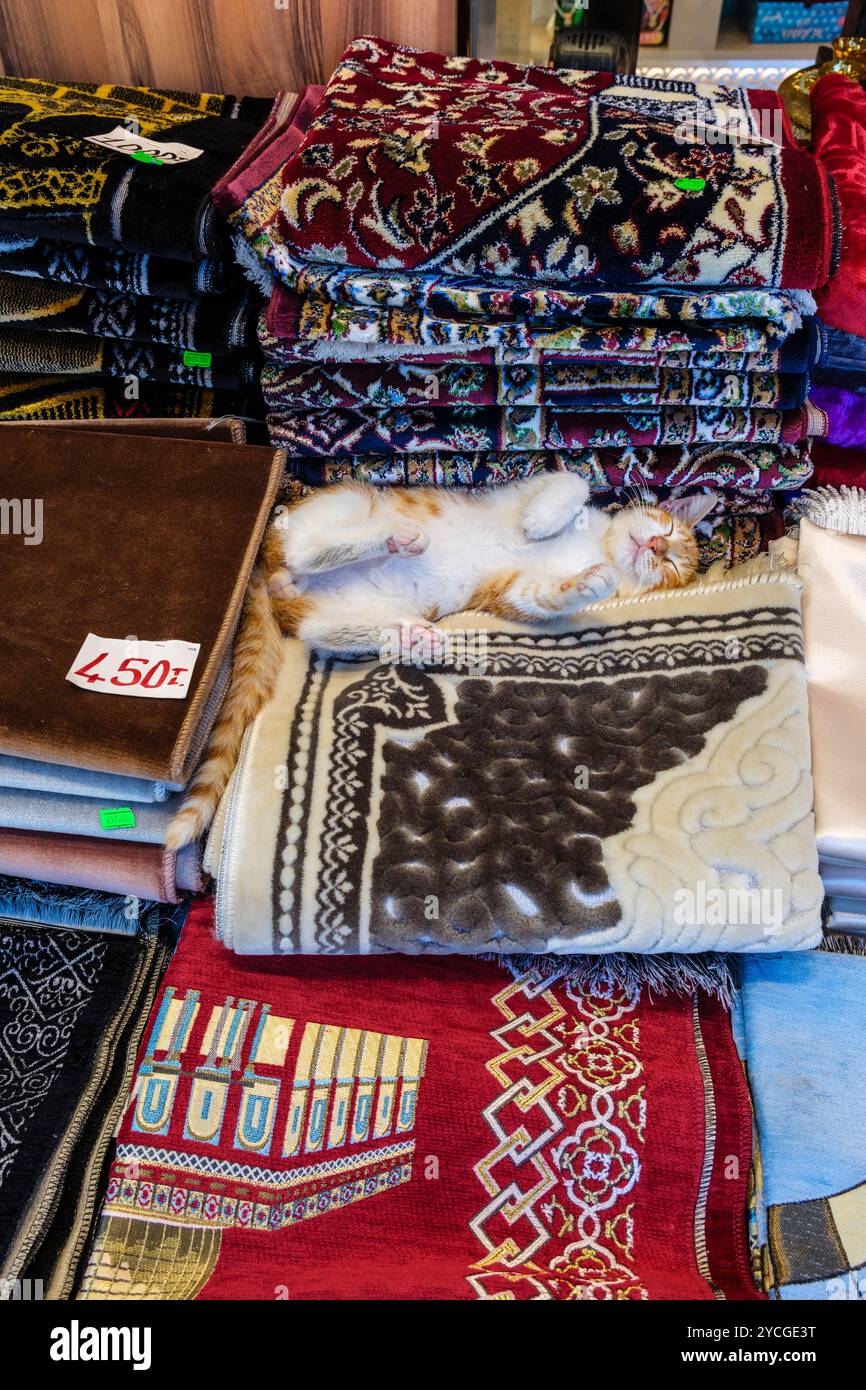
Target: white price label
140 147
125 666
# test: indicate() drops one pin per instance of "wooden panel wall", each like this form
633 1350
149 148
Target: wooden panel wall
249 47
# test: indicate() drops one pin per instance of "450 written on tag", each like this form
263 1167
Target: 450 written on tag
126 666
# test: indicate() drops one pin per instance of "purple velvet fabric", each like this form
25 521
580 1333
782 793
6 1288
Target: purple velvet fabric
846 411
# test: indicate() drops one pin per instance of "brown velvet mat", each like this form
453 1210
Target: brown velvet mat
151 537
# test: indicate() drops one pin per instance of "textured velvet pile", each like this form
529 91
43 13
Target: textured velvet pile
114 262
434 806
70 754
448 242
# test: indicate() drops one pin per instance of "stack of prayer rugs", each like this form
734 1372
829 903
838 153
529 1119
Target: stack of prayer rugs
398 1128
151 544
479 270
831 557
804 1023
73 1005
118 294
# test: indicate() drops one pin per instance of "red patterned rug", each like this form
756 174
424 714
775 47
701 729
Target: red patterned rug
403 1128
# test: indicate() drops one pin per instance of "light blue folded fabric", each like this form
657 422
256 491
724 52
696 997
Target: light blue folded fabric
804 1020
146 822
25 774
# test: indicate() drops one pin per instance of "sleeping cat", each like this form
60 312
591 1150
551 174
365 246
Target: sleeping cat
353 563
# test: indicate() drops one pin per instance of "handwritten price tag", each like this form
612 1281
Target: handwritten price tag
125 666
148 151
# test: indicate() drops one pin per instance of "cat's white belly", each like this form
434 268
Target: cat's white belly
462 555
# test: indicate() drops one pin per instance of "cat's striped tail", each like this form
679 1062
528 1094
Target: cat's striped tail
256 661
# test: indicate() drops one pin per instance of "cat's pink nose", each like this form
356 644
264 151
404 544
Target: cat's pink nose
657 544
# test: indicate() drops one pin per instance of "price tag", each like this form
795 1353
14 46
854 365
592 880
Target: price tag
119 818
148 151
125 666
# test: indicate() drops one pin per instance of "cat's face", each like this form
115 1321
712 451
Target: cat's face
652 549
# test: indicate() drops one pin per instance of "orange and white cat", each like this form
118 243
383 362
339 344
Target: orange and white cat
352 565
353 562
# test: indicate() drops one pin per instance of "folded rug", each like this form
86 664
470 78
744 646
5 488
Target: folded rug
121 271
185 520
574 386
411 163
72 1008
475 298
106 818
841 359
506 429
810 1106
837 468
27 775
338 333
285 1115
838 121
84 909
126 867
57 182
832 559
70 399
210 323
38 353
633 779
471 305
741 347
758 466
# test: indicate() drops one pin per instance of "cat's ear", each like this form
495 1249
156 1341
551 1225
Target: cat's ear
690 510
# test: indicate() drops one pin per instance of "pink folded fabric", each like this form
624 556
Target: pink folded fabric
110 866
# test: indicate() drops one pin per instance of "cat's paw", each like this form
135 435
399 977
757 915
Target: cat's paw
421 643
592 585
408 542
546 517
282 586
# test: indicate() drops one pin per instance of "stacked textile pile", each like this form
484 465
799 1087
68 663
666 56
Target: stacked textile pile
118 295
73 1004
143 545
839 131
484 270
831 556
803 1023
423 1129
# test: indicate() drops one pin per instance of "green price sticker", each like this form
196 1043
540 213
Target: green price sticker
145 158
123 818
690 185
197 359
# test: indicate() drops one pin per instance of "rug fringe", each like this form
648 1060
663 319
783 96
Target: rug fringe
843 945
711 972
834 508
84 909
252 267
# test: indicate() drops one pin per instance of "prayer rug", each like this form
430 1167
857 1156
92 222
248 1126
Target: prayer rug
119 271
157 540
210 323
464 802
442 166
418 1129
755 466
72 1008
805 1026
56 182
